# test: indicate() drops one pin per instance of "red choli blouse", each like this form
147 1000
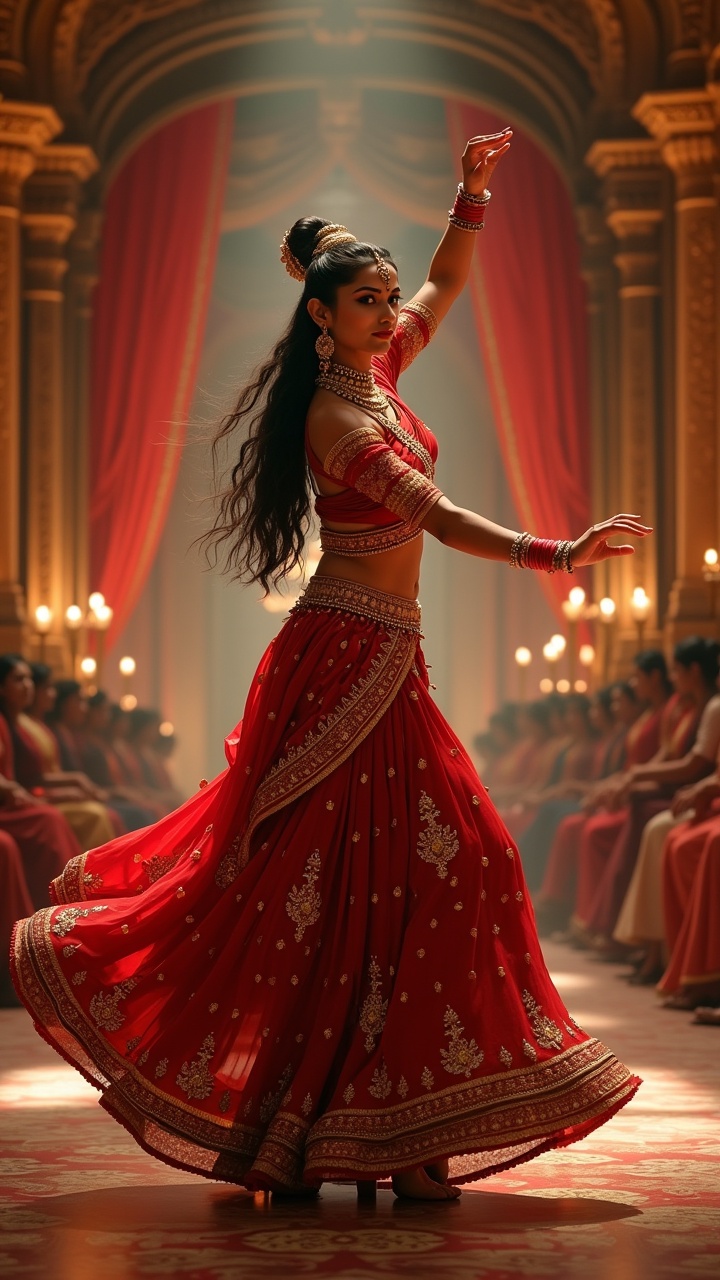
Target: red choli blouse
389 483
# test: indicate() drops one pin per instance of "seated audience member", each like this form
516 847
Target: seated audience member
542 724
691 901
576 765
500 749
143 741
641 922
40 831
38 768
103 765
611 841
15 904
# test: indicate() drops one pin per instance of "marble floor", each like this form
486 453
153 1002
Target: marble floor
637 1200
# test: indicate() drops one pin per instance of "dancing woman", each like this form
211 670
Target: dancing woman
324 965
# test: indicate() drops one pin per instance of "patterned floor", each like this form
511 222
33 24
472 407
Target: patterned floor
637 1200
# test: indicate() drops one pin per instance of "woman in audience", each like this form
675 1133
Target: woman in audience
576 766
40 831
641 922
102 764
38 765
692 914
539 723
610 840
15 904
142 740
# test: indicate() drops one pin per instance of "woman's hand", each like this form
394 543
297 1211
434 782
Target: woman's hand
480 157
593 546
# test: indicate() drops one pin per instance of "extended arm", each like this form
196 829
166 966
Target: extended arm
450 266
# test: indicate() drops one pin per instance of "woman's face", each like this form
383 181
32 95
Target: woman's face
74 710
576 722
17 688
683 677
44 699
600 719
365 312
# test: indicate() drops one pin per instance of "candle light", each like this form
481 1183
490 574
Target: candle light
88 667
640 608
523 658
43 622
73 623
96 601
551 655
711 575
102 616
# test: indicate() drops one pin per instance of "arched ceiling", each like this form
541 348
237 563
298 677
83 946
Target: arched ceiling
567 70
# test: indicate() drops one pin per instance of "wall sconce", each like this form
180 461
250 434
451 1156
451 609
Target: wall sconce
551 655
711 574
73 623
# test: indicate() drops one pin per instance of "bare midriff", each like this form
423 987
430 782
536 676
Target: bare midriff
396 571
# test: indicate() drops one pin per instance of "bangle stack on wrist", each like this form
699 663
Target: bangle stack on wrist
468 211
527 552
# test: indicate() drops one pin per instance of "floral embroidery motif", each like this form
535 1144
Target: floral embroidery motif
157 866
505 1057
70 949
224 1103
436 845
374 1010
403 1087
66 919
380 1086
306 1107
230 865
546 1032
194 1078
427 1078
143 1058
132 1044
161 1068
104 1006
529 1051
79 977
303 904
462 1057
92 881
349 1094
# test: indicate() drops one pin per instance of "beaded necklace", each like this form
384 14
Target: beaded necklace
361 389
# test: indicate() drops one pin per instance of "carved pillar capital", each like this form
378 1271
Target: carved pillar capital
683 122
24 129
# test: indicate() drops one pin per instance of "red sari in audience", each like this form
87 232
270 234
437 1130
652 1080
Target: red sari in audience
43 836
15 900
691 902
324 964
608 838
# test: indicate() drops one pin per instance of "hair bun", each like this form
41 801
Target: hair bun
301 238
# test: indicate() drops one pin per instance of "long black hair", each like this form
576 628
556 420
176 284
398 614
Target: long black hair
263 511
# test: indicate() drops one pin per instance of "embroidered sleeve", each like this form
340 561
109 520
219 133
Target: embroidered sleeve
416 326
363 461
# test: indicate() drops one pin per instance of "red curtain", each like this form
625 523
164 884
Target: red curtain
161 232
530 308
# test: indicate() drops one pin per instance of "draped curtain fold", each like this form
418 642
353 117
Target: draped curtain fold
529 302
160 239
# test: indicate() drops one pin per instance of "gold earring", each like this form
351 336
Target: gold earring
324 346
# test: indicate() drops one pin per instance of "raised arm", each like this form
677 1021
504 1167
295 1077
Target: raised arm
450 265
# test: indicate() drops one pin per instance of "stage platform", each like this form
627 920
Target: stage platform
638 1200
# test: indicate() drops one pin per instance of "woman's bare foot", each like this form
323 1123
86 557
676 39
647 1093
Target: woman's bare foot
438 1171
415 1184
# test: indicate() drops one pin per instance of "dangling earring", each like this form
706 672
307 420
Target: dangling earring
324 346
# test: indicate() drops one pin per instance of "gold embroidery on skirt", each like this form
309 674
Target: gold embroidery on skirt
67 919
158 866
437 845
380 1085
104 1006
546 1032
230 865
194 1078
462 1057
271 1101
374 1010
303 904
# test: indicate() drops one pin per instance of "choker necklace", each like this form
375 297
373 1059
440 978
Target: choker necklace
361 389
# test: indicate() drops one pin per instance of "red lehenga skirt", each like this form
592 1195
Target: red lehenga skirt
324 965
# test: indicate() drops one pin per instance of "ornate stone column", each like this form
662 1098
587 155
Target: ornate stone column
683 122
49 218
81 280
599 273
632 177
24 129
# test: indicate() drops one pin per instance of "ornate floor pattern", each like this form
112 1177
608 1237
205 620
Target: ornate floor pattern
638 1200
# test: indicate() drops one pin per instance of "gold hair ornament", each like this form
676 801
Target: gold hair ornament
330 236
287 257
